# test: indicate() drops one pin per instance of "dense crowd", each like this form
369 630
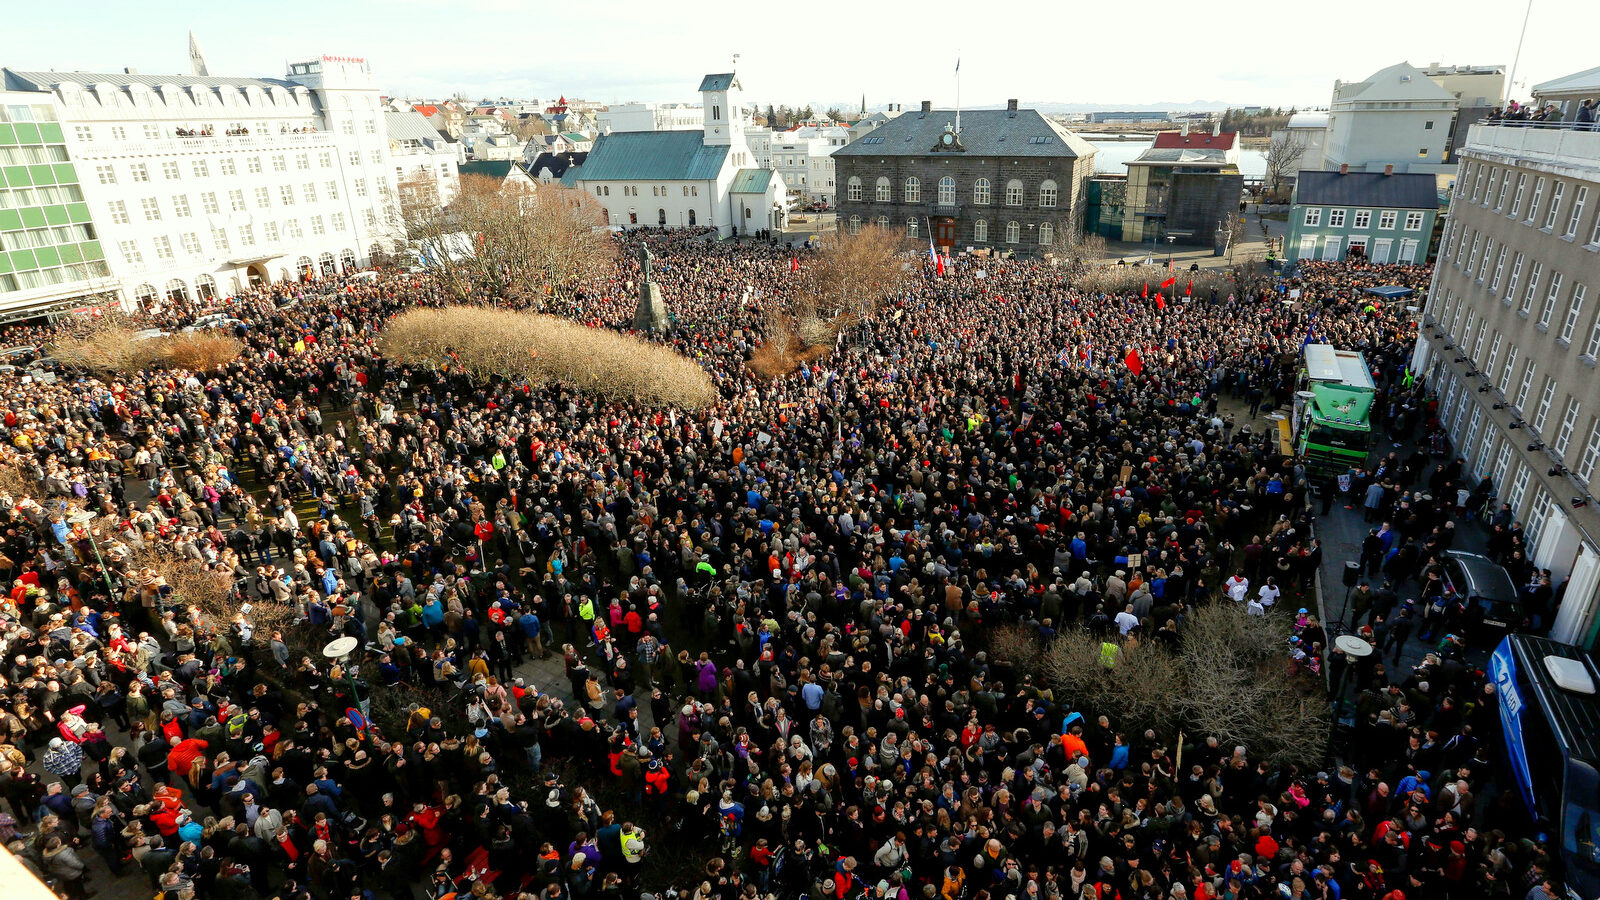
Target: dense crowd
770 611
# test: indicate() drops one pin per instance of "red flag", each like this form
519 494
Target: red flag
1133 362
1161 302
1144 291
938 265
794 263
1188 289
1170 282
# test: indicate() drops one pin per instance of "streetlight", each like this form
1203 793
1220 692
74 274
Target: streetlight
84 517
339 649
1355 648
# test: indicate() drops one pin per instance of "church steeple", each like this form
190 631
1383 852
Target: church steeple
863 104
724 121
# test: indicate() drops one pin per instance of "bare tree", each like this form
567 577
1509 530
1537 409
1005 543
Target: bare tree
853 274
531 127
1282 157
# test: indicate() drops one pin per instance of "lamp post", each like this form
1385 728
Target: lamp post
84 517
339 650
1355 648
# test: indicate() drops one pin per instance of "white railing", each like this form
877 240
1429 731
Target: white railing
1555 143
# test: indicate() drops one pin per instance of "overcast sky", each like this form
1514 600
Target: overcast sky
824 51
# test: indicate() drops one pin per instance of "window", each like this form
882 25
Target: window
1578 200
883 222
180 206
913 192
1516 275
1546 395
302 161
855 221
1494 176
1386 218
253 164
317 226
119 212
1047 234
286 194
140 172
1488 251
1505 186
1362 219
883 192
219 236
1591 453
947 191
279 164
1556 190
208 201
1533 287
1413 221
310 192
1335 218
1511 366
236 200
980 192
1494 352
1526 385
263 198
1047 196
163 246
1422 153
152 210
106 174
911 227
980 231
1574 310
1516 200
1550 297
1569 421
1533 205
1013 233
201 168
1593 349
325 159
354 156
270 231
130 252
226 166
1313 216
1499 266
191 243
1472 257
1014 192
852 189
169 170
119 133
83 132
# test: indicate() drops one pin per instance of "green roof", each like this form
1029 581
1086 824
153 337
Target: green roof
653 156
751 181
718 82
575 137
1340 405
494 168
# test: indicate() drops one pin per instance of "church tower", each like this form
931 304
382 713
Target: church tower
724 118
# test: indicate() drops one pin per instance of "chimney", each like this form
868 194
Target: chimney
1011 109
1344 168
1389 169
927 107
129 70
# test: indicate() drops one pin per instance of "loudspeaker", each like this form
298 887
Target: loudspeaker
1352 574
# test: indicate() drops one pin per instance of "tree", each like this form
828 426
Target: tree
772 117
835 113
530 127
851 275
1283 154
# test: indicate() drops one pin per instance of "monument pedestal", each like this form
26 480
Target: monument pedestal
651 314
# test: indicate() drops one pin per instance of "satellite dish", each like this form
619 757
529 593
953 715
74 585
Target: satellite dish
339 648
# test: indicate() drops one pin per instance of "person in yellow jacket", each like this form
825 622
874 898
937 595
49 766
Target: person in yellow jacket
632 846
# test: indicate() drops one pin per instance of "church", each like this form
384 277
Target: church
682 179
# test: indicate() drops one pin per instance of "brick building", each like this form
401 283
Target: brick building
1004 179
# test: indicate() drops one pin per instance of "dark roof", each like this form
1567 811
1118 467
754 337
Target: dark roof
1399 191
718 82
557 163
653 156
495 168
984 132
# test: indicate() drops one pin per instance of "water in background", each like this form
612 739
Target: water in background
1112 157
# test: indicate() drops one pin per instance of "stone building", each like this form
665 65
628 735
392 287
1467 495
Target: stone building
1004 179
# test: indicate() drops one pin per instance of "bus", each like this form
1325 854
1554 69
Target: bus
1550 724
1333 412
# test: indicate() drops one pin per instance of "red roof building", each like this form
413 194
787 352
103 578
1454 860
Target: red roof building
1196 140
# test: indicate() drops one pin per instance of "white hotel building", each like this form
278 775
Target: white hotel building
201 186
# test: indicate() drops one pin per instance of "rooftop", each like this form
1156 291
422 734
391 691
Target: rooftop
1159 156
48 81
1196 139
653 156
1533 145
1375 189
984 132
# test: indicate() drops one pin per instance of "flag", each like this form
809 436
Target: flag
1133 362
933 257
1311 331
1144 292
1169 282
1064 357
1161 302
1188 289
794 263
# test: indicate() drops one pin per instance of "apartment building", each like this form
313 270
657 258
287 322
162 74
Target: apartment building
1511 341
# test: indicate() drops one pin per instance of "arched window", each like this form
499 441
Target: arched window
374 253
691 216
205 287
1014 192
145 294
1047 234
177 291
1047 195
980 192
853 188
980 231
347 260
605 215
884 191
303 267
1013 233
947 191
855 224
325 263
661 217
913 190
883 222
911 227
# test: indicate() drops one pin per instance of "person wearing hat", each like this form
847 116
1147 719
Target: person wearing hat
64 759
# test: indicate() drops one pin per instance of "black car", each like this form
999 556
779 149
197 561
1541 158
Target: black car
1493 605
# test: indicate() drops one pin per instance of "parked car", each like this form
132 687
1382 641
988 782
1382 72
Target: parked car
19 354
1494 606
145 334
818 206
213 320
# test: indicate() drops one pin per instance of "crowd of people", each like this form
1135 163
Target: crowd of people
1549 115
770 612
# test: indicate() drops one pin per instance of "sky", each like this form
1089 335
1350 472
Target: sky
1162 52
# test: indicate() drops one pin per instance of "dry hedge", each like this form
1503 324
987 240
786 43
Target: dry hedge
489 343
112 348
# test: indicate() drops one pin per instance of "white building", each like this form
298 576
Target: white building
1310 131
423 159
685 178
1398 116
201 186
651 117
874 121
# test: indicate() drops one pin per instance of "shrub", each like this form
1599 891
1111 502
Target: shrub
201 351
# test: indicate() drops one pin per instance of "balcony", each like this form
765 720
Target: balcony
944 209
216 143
1537 142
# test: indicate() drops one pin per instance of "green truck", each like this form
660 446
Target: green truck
1333 411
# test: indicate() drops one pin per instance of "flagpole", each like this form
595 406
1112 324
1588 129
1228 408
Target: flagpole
958 89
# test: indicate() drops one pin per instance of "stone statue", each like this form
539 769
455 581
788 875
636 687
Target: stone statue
651 314
644 263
